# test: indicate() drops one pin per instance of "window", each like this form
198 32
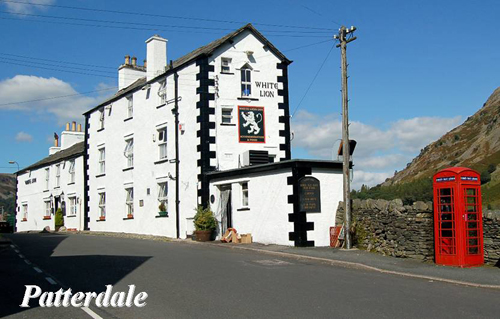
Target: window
58 175
244 194
162 142
102 160
71 171
72 206
225 65
25 211
101 118
227 115
129 202
47 178
48 209
246 84
102 206
162 194
162 92
130 108
129 152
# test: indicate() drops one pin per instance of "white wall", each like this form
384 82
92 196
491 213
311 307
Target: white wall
35 194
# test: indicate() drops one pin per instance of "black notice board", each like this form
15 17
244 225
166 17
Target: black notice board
309 195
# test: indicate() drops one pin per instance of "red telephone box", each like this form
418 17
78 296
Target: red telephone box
458 220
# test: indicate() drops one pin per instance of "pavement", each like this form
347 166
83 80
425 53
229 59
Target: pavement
186 279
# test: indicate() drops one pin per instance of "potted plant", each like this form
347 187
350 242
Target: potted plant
163 210
204 223
59 219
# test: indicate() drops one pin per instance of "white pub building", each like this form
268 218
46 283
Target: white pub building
210 128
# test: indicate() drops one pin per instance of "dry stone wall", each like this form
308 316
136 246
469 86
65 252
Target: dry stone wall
394 229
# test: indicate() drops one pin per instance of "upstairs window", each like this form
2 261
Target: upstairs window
129 202
162 194
227 115
225 65
246 81
162 92
162 143
130 106
102 205
47 178
129 152
71 171
58 175
102 160
101 118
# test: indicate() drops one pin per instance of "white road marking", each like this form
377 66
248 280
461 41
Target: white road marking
27 261
38 270
22 256
17 251
12 246
51 281
91 313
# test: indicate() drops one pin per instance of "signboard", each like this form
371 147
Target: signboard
445 179
251 124
309 195
468 178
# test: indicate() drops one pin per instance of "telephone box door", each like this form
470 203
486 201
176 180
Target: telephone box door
446 229
472 225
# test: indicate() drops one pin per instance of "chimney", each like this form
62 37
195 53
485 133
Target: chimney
67 126
145 63
79 127
127 59
156 48
73 126
134 61
56 139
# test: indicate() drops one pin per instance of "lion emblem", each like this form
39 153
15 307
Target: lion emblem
252 121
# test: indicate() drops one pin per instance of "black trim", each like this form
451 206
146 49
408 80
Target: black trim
100 175
161 105
100 220
15 203
158 216
227 124
86 177
161 161
242 209
126 218
72 183
127 169
101 129
205 125
299 218
285 106
228 73
247 98
127 119
70 216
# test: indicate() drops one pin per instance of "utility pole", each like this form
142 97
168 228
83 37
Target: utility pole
342 37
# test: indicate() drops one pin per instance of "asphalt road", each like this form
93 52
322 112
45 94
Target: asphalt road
196 281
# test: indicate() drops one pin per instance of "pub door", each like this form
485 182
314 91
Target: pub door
226 208
472 243
446 226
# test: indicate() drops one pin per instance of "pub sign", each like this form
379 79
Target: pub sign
309 195
251 124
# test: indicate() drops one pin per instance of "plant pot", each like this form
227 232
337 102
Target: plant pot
163 214
203 235
130 216
102 217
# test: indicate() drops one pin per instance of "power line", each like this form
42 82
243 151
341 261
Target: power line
162 16
312 82
58 97
57 61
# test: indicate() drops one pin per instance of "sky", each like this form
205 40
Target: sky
416 70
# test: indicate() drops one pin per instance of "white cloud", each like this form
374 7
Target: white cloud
41 91
18 7
379 152
24 137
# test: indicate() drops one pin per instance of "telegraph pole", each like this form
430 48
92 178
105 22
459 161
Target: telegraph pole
342 37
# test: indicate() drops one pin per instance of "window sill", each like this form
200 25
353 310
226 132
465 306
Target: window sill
248 98
128 217
47 218
24 220
57 187
161 105
72 183
100 175
101 129
127 119
228 73
227 124
161 216
128 169
70 216
243 209
45 191
161 161
101 220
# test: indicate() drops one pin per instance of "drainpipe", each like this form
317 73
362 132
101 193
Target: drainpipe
175 110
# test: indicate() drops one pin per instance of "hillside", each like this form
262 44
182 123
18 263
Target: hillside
7 186
474 144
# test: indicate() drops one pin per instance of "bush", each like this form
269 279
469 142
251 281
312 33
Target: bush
59 220
204 219
492 168
485 177
162 207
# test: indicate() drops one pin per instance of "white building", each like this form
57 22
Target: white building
54 182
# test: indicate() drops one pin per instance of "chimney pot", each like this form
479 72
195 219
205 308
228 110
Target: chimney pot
145 63
134 61
79 127
73 126
127 59
67 126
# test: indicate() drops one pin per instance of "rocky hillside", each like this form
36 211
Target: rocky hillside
7 186
474 144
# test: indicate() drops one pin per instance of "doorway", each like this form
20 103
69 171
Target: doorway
225 207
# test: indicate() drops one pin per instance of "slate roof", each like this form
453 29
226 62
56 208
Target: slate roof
190 57
71 152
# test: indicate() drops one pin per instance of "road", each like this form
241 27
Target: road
197 281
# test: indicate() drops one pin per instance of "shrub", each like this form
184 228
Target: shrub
59 220
485 177
162 207
204 219
491 168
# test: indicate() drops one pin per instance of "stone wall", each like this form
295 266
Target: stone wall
394 229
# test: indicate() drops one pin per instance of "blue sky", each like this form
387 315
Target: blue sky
417 69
